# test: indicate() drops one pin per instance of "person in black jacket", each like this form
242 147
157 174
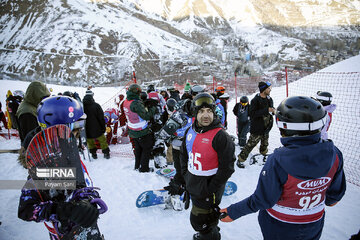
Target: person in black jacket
241 111
95 125
261 121
2 117
207 162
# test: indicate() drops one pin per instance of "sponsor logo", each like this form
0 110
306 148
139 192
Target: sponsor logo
56 173
205 140
314 184
189 136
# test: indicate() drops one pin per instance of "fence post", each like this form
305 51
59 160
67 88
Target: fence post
287 82
235 89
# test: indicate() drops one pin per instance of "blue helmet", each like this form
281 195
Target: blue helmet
58 110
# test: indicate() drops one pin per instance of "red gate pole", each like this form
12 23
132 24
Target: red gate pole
134 77
213 90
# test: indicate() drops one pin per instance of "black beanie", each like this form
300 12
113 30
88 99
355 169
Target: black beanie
263 86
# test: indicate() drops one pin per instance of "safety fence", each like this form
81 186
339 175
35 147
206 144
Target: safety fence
345 88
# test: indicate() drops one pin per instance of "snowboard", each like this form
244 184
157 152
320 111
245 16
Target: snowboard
166 172
157 197
55 148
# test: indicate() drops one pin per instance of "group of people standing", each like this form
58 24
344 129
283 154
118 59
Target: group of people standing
204 156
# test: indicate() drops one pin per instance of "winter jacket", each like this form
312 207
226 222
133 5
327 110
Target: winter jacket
138 107
329 109
260 119
203 188
223 114
241 112
27 111
307 160
95 121
175 95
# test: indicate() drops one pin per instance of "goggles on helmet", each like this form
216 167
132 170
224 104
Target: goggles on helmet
244 104
305 126
203 101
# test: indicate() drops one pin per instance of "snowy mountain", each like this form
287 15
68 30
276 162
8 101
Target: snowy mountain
102 42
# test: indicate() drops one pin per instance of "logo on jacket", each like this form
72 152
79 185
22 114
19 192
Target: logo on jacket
189 136
205 140
314 183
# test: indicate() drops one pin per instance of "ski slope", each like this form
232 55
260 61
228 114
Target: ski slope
120 185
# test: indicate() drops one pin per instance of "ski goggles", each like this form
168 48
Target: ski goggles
203 101
306 126
244 104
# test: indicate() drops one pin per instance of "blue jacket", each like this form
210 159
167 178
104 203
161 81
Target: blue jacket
306 157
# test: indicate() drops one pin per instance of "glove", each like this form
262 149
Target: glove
82 213
186 199
174 188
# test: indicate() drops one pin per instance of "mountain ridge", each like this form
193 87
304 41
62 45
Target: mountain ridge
102 42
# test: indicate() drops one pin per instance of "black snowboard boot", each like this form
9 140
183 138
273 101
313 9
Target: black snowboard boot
93 153
214 234
106 152
240 164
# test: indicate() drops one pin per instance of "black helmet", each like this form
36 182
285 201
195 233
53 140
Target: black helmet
300 115
67 93
244 99
170 103
134 88
150 88
324 97
196 89
143 96
203 100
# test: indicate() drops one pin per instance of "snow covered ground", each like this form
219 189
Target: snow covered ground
120 185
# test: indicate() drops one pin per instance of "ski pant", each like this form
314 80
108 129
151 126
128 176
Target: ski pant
176 157
251 143
143 147
273 229
243 128
3 119
102 140
205 222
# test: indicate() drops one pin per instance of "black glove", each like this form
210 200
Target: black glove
82 213
174 188
186 199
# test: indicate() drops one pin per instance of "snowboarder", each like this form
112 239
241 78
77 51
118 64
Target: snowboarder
325 98
95 125
26 112
2 117
207 162
241 111
54 205
222 98
299 179
261 121
137 117
177 184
